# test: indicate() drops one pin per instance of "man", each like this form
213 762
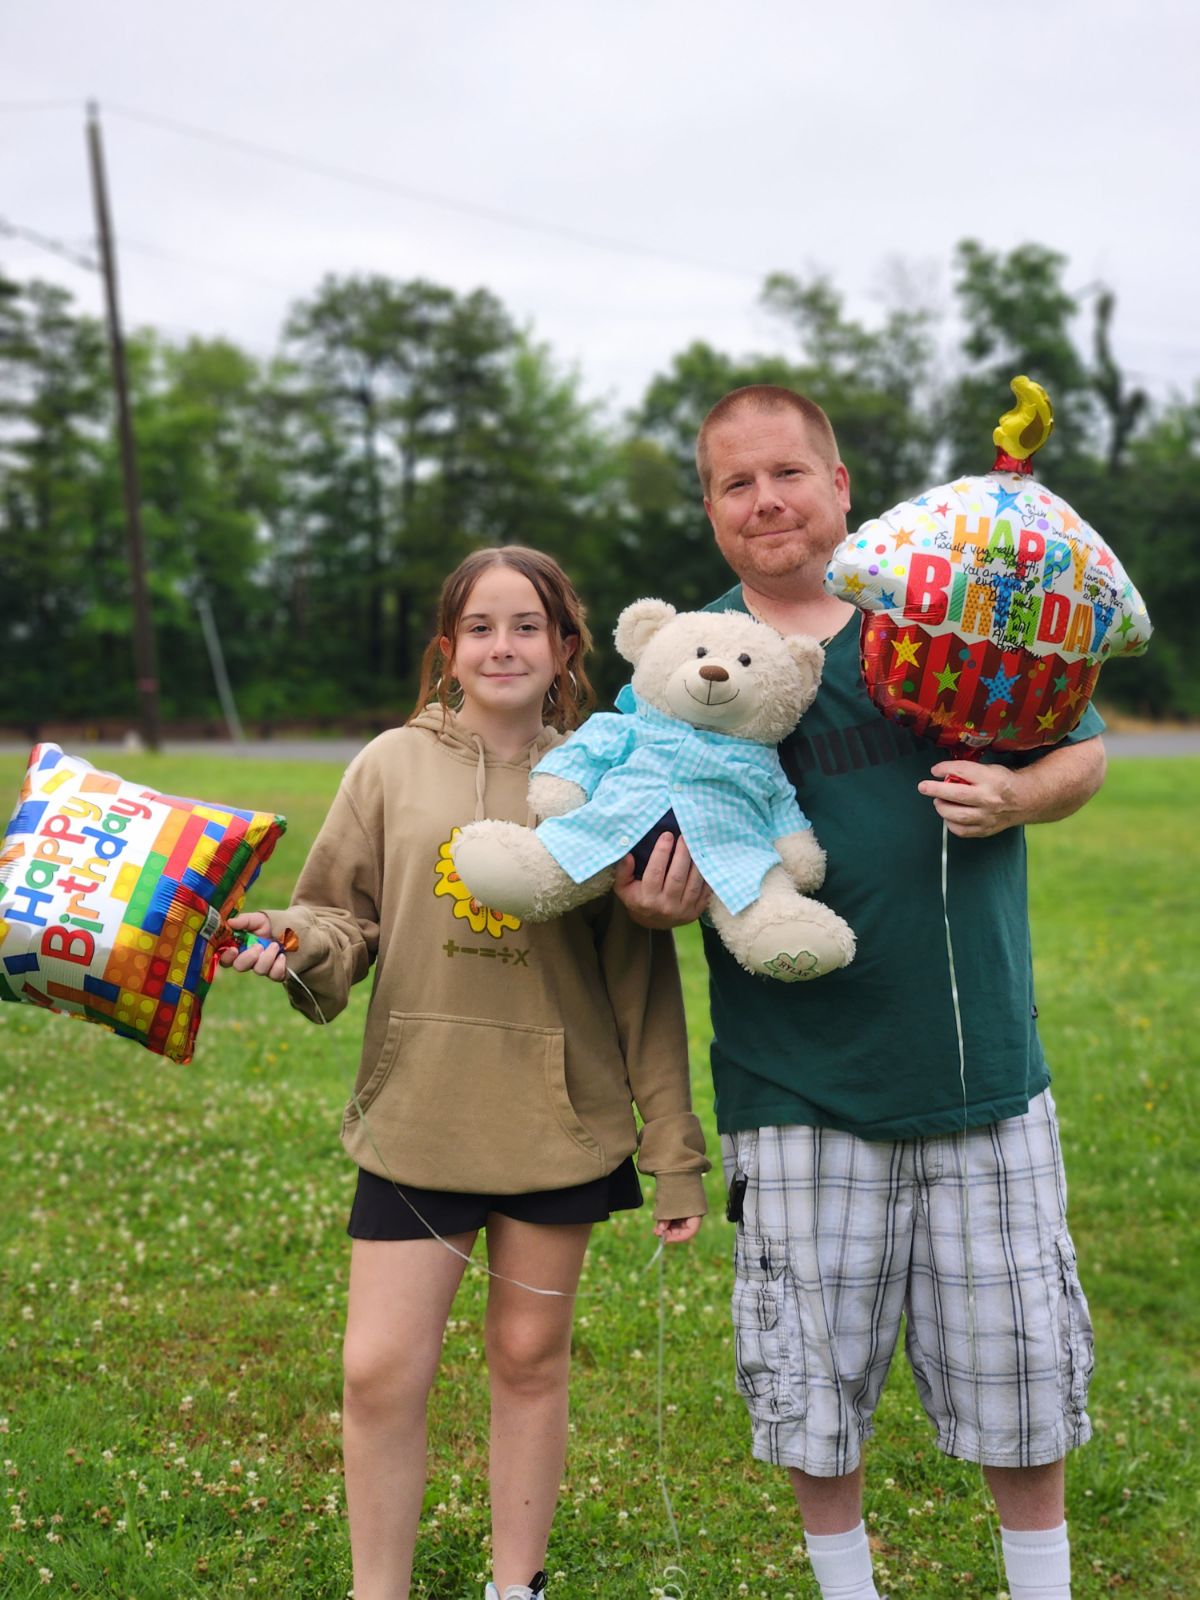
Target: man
888 1133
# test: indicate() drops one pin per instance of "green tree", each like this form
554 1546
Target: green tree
1150 511
1017 319
316 502
209 489
874 383
58 510
1124 408
402 382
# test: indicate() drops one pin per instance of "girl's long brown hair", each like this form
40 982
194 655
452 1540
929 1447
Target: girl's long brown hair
570 697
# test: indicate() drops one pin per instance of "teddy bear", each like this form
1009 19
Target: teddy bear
690 749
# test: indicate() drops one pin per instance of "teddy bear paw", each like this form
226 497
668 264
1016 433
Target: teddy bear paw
498 862
550 796
797 951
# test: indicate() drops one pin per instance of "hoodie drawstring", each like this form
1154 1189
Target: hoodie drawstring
442 725
480 777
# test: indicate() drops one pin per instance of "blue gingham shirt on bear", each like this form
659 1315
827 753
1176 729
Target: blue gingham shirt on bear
731 797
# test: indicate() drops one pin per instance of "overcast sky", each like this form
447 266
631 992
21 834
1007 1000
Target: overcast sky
715 142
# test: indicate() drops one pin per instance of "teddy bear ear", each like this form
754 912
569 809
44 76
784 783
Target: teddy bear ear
809 657
638 624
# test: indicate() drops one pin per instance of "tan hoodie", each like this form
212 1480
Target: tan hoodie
499 1057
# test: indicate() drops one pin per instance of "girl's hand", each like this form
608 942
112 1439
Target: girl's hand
268 962
679 1230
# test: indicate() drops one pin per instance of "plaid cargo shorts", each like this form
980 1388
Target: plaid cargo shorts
963 1234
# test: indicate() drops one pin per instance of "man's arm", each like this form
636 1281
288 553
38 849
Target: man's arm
990 798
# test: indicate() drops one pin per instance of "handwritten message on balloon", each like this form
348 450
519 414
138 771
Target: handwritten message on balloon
114 898
989 606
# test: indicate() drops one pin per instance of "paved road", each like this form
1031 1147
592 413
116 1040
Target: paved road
338 750
1172 743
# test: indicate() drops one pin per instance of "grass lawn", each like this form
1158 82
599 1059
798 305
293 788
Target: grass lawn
173 1266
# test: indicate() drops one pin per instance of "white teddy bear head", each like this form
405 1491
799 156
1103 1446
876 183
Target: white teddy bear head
720 670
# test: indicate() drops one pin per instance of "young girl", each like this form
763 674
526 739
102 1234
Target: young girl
499 1059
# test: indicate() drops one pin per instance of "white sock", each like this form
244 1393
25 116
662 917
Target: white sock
841 1564
1037 1563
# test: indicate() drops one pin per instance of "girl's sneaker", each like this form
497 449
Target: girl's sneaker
518 1591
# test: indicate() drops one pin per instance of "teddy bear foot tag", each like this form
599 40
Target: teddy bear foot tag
794 968
795 956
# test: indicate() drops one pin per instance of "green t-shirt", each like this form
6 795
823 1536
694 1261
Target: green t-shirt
873 1049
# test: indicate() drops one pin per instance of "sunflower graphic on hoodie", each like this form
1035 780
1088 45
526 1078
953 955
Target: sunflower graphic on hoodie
480 919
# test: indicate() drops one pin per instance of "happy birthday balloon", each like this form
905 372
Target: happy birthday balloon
988 603
114 898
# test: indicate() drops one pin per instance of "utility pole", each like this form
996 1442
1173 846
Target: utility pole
145 655
216 657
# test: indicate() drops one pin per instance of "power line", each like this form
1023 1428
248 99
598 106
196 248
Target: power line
367 180
362 180
162 253
39 105
14 230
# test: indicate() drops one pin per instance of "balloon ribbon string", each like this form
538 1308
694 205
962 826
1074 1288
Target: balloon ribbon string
968 1243
475 1266
560 1294
658 1403
533 1288
962 1078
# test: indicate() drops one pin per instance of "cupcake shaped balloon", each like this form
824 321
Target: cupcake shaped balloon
988 604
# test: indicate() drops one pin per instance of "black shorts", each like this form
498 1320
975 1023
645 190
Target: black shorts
379 1210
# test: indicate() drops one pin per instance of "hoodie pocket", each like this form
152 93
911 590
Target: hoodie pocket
471 1104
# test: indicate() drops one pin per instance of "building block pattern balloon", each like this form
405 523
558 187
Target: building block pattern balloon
114 898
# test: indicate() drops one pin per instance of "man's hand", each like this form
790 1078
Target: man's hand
973 801
984 800
669 893
679 1230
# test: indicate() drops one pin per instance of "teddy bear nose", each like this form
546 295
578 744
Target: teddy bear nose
714 674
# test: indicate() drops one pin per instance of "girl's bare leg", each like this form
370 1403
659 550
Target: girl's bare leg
529 1354
401 1292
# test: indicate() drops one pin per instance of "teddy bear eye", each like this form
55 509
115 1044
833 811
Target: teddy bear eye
744 659
702 651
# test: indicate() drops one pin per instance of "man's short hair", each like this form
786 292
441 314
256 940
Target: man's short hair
765 397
